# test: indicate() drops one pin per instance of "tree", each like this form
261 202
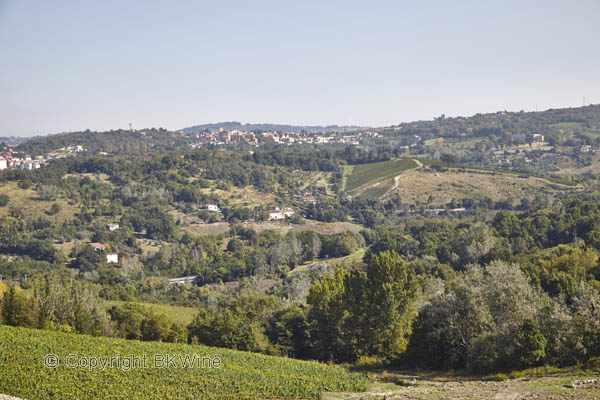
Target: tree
380 304
473 243
365 313
17 308
47 192
155 327
449 158
235 245
326 299
472 324
55 209
530 345
289 329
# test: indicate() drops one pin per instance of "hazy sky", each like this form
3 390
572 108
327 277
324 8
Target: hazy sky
72 65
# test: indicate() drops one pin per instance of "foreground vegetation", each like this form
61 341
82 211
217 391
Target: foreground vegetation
241 376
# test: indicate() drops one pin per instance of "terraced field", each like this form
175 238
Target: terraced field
237 375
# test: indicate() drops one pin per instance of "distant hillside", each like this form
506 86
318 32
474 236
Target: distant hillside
585 120
116 141
233 125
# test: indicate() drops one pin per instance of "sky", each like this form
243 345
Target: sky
99 65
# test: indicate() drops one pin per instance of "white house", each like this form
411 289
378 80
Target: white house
211 207
279 214
112 258
113 226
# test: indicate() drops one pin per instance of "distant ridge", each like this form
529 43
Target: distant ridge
234 125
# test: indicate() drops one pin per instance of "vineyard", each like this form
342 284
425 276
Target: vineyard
240 375
364 174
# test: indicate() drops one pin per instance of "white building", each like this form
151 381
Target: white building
113 226
211 207
279 214
3 163
112 258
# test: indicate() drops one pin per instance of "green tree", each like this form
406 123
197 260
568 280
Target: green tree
530 345
380 306
17 308
365 313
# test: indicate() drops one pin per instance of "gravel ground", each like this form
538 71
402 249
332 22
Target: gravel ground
539 388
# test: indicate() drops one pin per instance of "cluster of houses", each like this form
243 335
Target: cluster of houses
111 258
223 137
272 215
11 159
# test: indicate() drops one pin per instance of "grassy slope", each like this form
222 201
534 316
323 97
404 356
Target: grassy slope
28 201
241 376
419 187
177 314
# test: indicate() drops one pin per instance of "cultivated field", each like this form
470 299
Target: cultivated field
239 375
369 174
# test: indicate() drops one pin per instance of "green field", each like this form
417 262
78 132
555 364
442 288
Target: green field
377 190
177 314
566 125
240 376
363 174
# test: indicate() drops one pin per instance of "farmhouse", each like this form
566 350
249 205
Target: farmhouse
113 226
97 246
112 258
280 214
211 207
